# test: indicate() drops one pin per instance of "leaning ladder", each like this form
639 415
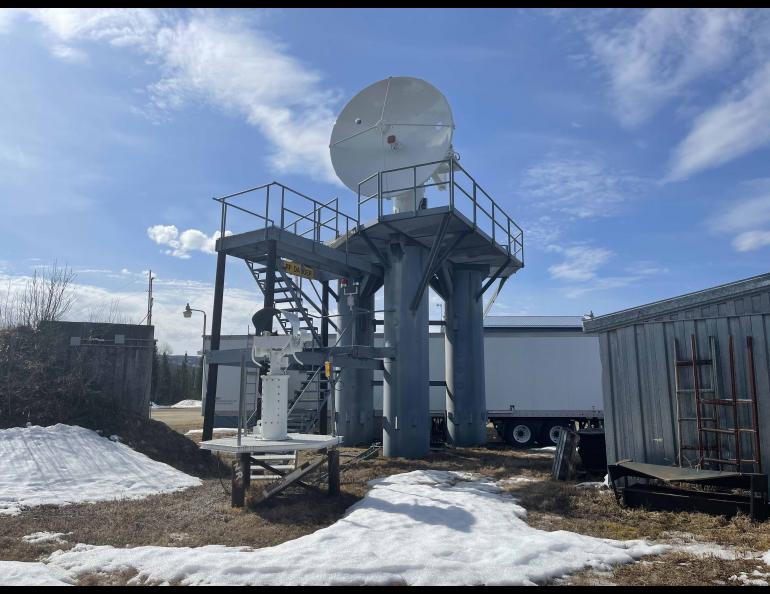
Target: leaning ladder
711 438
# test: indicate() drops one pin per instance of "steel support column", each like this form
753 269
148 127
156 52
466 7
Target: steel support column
464 359
216 331
406 407
323 421
354 393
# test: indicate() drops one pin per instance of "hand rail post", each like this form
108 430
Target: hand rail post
283 195
267 207
223 218
475 203
452 185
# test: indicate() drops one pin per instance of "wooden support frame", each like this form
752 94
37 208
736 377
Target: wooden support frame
242 476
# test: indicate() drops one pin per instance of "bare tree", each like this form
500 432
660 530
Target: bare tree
109 314
48 295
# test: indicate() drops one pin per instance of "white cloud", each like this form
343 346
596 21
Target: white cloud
581 268
751 240
68 53
580 262
581 187
747 219
653 56
220 58
181 244
736 126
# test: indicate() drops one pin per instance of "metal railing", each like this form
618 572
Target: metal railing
465 195
283 207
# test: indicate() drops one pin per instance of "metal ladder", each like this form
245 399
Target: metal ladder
714 441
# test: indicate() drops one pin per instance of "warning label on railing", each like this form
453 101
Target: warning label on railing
298 269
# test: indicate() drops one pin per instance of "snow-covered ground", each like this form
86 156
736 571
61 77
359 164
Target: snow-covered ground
187 404
66 464
421 528
25 573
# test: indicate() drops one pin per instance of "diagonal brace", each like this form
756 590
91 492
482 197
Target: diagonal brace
433 261
492 279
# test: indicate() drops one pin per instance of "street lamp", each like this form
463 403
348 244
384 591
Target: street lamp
188 314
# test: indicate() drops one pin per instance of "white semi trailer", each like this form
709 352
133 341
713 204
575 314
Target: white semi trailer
541 373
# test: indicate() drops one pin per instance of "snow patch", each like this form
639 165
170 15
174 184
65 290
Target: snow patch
25 573
64 464
518 480
216 430
755 578
188 404
686 542
46 537
418 528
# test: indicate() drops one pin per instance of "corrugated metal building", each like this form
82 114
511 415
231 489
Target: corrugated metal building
650 376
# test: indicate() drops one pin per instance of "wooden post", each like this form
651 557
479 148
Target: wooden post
334 472
241 480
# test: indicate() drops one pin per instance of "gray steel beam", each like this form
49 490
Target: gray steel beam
252 244
216 333
323 424
432 263
354 394
491 280
464 359
406 408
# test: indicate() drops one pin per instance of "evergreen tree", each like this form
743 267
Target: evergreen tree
154 377
165 382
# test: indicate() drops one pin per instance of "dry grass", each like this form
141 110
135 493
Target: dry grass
672 569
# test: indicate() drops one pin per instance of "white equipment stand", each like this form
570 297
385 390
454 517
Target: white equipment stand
270 433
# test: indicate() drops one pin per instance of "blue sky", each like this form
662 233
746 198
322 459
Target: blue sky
631 146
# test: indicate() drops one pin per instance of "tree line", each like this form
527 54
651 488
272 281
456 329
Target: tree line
171 382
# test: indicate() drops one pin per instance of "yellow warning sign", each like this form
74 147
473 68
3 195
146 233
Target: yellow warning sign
298 269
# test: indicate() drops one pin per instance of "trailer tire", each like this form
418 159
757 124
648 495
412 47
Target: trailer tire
552 431
520 435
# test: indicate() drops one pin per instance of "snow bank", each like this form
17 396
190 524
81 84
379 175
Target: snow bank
67 464
420 528
188 404
22 573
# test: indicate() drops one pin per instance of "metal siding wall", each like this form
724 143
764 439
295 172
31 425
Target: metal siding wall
638 377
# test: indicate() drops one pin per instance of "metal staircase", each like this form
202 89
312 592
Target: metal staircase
308 402
287 292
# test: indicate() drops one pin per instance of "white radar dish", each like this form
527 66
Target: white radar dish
396 122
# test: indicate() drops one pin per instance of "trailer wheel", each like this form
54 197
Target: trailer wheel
520 435
552 432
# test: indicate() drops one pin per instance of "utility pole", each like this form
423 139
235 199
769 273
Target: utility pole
149 300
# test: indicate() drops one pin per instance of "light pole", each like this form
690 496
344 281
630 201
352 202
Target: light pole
188 314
